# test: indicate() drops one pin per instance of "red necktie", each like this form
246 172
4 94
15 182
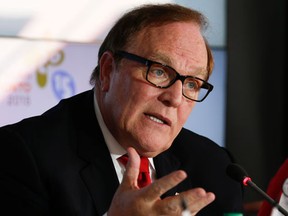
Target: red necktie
144 175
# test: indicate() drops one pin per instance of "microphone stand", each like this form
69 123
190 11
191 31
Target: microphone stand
268 198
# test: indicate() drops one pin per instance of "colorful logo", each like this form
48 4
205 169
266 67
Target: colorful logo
63 84
42 72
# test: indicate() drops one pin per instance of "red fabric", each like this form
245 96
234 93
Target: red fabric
275 189
144 174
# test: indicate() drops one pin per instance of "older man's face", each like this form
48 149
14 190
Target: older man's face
137 113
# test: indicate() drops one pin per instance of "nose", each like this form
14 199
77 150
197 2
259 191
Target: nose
172 96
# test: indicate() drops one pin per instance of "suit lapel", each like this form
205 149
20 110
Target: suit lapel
99 175
166 163
100 179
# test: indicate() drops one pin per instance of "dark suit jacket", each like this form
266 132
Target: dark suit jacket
58 164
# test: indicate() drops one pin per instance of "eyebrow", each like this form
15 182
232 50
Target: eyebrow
161 58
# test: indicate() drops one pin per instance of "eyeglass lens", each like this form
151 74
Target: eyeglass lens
163 76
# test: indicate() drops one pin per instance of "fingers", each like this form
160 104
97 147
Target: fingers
160 186
129 195
196 199
132 169
193 201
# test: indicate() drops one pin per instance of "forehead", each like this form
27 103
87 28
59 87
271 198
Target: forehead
180 45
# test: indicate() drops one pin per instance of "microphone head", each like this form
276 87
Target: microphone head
236 172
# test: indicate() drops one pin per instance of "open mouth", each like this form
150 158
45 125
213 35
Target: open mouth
157 119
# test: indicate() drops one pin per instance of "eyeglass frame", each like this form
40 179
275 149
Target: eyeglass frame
180 77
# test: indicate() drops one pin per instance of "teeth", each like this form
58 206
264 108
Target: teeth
156 119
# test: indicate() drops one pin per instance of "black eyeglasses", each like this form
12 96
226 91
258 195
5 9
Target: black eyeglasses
163 76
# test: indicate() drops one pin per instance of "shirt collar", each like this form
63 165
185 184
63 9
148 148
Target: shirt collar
116 150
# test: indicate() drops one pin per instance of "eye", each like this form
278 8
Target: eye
192 85
158 72
160 75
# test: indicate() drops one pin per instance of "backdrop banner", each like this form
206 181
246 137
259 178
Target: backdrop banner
67 73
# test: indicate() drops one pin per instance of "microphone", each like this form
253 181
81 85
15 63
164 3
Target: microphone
237 173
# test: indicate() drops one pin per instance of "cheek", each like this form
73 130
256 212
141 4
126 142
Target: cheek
131 100
184 112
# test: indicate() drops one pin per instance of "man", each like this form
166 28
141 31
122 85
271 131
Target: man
153 67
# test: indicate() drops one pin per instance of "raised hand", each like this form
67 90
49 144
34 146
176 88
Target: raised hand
130 200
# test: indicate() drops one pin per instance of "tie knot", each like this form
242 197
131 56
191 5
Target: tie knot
144 162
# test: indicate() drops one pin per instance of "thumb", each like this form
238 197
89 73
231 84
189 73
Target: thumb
132 169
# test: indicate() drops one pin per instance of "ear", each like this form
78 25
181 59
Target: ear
106 67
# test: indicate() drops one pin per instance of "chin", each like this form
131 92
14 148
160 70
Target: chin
152 150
